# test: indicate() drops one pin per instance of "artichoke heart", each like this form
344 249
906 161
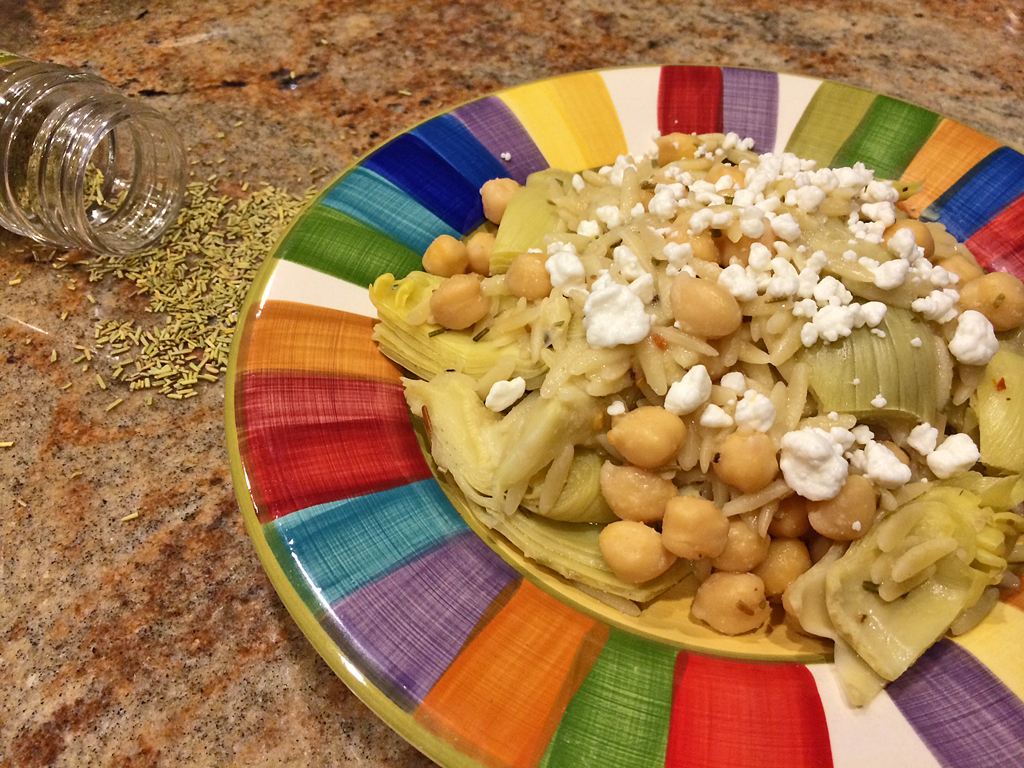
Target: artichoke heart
897 590
489 455
427 349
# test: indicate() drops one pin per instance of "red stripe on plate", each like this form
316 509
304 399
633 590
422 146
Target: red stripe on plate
738 715
1000 243
314 439
690 100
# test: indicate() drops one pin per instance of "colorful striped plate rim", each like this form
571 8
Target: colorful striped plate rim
463 649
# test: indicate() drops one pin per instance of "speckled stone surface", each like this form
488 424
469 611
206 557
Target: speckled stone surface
159 641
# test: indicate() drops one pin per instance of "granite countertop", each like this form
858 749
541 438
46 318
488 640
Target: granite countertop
159 640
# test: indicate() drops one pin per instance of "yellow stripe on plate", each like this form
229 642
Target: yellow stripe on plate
996 644
571 119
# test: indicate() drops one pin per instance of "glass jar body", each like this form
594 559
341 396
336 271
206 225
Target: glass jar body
81 165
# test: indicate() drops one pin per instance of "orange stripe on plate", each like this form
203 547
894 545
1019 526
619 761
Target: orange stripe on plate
950 153
502 698
288 336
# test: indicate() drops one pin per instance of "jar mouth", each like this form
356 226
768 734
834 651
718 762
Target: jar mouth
128 183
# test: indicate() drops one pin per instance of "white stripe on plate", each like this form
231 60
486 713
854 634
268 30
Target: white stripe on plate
875 735
795 93
294 282
634 93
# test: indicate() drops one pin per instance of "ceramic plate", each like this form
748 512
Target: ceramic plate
473 655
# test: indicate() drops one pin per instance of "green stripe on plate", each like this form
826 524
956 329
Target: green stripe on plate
620 714
888 137
331 242
833 114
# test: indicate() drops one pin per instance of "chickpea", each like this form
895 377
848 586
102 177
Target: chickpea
694 527
898 452
922 236
786 559
704 308
731 603
790 520
527 277
495 195
648 436
999 296
446 256
849 515
720 169
744 549
634 551
478 248
963 268
818 546
746 460
702 245
634 493
676 146
459 302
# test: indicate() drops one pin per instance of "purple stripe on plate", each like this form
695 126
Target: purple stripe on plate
966 716
750 105
403 630
497 128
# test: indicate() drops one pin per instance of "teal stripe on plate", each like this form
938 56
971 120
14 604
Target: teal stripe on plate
620 714
375 201
331 550
331 242
888 137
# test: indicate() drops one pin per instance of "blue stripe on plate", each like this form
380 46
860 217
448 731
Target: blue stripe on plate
453 141
379 204
344 545
963 712
410 164
980 195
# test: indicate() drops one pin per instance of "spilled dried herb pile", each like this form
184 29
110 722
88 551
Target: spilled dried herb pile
195 280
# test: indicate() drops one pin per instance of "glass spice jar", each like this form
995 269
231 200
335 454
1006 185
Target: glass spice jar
82 165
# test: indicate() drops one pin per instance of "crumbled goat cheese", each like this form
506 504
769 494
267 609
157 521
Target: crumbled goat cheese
609 215
842 436
663 204
737 281
883 467
754 412
890 274
939 306
637 210
614 315
643 287
578 183
786 227
880 192
735 381
974 342
903 244
627 262
504 393
701 220
812 463
506 156
678 255
957 454
878 401
690 392
883 213
588 228
616 409
565 268
714 417
923 438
